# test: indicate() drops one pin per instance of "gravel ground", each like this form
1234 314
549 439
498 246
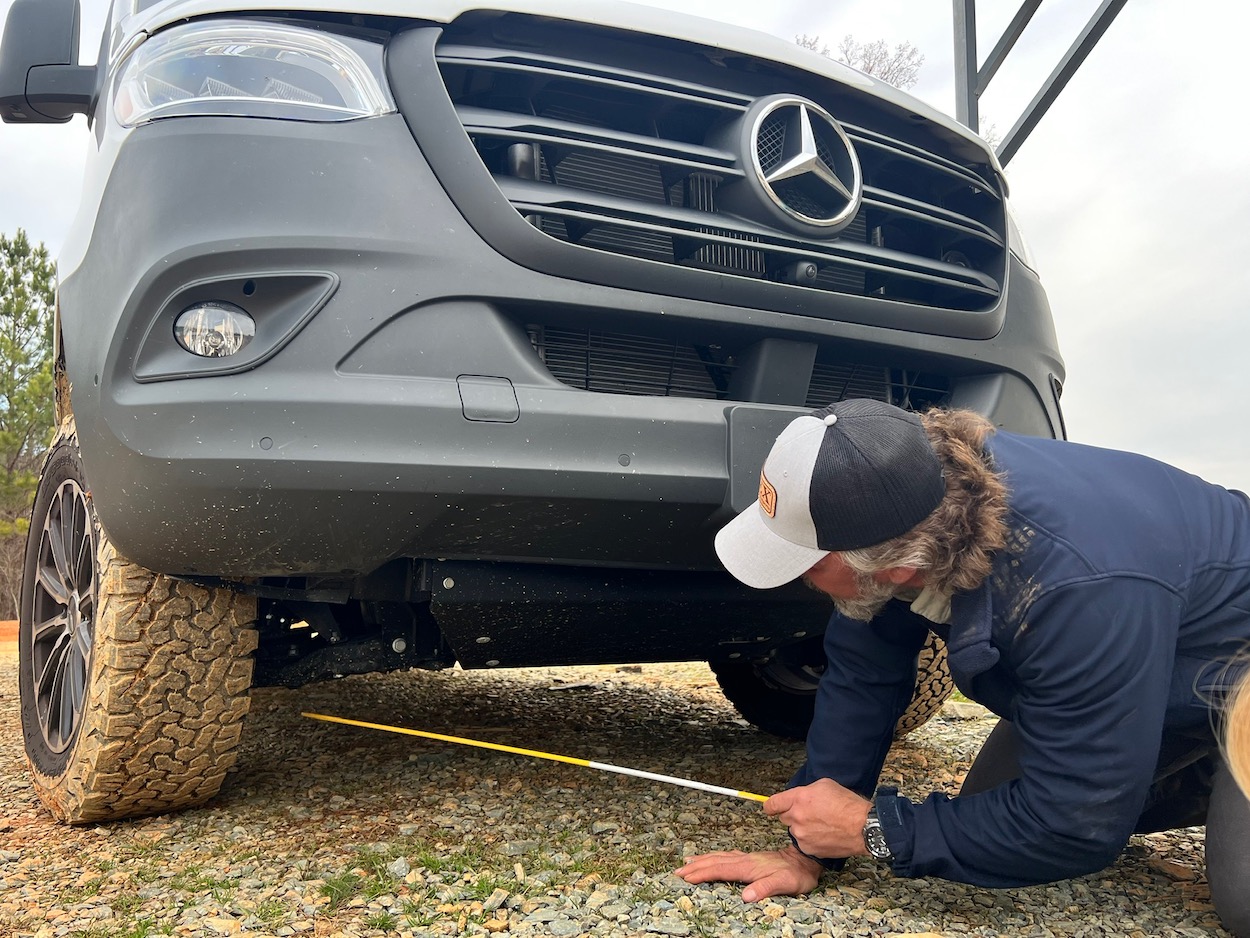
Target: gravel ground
328 830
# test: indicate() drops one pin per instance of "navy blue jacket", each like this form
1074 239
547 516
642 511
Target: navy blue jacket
1109 619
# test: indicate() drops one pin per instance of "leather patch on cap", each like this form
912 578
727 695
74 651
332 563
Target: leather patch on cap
768 497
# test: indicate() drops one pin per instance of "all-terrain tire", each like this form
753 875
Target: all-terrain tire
933 686
133 685
778 695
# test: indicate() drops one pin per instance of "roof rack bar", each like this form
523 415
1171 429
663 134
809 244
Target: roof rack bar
1014 29
1058 79
970 83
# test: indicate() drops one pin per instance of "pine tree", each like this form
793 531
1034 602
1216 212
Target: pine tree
27 276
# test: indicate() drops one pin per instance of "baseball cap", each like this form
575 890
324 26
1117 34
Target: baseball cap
850 475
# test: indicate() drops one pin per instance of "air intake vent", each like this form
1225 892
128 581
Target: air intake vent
621 363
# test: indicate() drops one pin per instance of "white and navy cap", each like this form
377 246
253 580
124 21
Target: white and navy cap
851 475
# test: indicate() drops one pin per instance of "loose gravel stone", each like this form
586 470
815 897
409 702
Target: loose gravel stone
327 831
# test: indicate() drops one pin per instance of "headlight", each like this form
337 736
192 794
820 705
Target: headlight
248 69
1016 242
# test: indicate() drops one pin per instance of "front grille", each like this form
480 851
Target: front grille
834 380
624 363
635 163
619 363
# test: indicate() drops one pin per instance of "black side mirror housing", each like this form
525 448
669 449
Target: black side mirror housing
41 81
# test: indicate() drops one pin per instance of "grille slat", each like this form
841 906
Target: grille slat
623 363
642 238
930 214
616 363
863 137
556 67
609 218
634 161
508 127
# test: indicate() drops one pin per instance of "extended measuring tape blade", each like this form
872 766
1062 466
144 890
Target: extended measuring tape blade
602 766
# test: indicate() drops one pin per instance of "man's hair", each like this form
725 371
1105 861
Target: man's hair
1237 734
954 545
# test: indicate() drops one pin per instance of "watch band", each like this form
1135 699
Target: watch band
874 837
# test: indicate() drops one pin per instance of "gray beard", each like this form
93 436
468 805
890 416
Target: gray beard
873 596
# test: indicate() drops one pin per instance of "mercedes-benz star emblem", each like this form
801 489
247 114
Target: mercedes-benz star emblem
805 163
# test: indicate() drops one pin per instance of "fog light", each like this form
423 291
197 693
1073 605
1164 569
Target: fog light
214 329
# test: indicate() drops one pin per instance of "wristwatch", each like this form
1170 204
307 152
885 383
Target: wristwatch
874 837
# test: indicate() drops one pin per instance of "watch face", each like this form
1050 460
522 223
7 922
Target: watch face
874 838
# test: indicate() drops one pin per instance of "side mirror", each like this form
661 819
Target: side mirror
40 80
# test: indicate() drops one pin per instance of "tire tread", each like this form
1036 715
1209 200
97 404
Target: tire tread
167 693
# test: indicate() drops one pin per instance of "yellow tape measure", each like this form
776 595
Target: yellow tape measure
604 766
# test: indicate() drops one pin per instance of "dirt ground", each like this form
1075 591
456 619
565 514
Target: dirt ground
334 831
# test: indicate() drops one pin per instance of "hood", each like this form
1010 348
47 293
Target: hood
632 17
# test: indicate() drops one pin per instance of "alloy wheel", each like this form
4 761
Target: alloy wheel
63 615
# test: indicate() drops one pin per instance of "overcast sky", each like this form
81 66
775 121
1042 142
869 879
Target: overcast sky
1133 193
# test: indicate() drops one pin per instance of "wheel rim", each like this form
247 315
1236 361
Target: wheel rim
63 615
787 669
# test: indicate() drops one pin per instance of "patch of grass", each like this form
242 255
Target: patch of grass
383 920
144 928
138 849
433 862
487 883
377 880
620 867
85 890
649 892
196 879
146 873
566 838
377 887
125 904
376 861
415 913
468 859
271 912
704 922
341 887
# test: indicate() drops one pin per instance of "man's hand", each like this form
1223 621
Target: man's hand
768 873
825 819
